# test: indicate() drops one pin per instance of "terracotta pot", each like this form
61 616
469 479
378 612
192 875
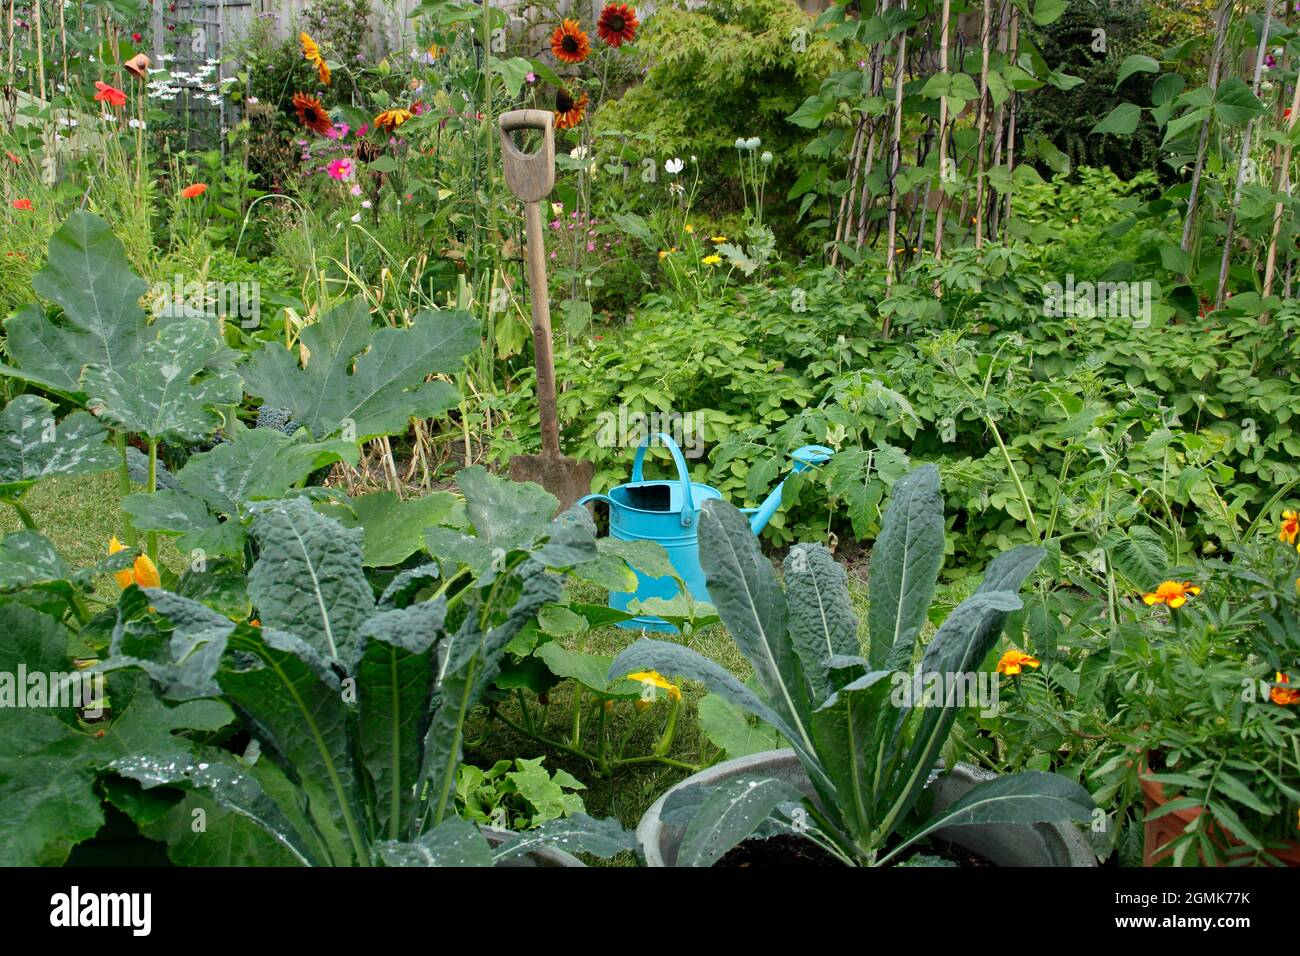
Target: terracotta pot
1156 833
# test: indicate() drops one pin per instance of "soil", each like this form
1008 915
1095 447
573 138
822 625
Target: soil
794 851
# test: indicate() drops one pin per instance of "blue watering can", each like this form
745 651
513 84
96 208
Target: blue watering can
667 513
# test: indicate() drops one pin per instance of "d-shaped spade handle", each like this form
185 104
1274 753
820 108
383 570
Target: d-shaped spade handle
530 176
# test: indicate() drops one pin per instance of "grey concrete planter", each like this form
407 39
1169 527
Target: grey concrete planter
1003 844
546 856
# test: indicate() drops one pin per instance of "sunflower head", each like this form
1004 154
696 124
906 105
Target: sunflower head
617 24
311 113
569 43
568 110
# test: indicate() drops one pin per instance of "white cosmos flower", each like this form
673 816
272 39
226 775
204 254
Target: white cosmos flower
674 166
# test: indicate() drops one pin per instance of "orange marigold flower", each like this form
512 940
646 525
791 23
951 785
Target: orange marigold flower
1284 696
109 94
311 113
143 573
1290 527
617 24
1172 593
569 43
569 111
194 191
391 119
1013 662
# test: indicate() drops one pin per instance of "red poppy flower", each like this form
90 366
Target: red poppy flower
617 24
23 204
109 94
191 192
136 38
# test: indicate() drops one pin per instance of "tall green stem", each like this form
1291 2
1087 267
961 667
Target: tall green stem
124 488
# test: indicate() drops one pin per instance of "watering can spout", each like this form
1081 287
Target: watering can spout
804 458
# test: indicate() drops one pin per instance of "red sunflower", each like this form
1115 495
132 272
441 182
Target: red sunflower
569 111
311 113
569 43
617 24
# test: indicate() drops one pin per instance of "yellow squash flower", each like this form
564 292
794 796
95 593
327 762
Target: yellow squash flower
1013 662
655 679
712 260
1290 527
1172 593
143 573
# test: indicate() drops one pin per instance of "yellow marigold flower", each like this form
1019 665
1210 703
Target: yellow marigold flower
712 260
1013 662
391 119
1284 696
655 679
717 238
1290 527
1172 593
143 573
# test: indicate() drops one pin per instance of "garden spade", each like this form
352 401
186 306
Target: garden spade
531 176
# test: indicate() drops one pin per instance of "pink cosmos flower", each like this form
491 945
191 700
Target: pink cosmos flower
341 169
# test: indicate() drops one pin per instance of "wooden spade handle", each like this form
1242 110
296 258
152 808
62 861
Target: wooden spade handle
531 177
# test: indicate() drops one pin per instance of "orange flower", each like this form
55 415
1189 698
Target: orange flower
569 43
311 113
1013 662
389 120
194 191
1171 593
1290 527
143 573
617 24
13 158
568 111
137 66
23 204
109 94
311 53
1284 695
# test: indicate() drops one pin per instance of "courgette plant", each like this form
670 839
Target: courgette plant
869 759
358 705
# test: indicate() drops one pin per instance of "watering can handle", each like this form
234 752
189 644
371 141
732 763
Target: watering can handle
688 504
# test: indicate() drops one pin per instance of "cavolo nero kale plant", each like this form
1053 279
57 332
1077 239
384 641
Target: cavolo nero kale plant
358 704
869 759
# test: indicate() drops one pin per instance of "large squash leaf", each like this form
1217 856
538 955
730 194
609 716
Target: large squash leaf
170 392
364 382
33 447
49 759
87 275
